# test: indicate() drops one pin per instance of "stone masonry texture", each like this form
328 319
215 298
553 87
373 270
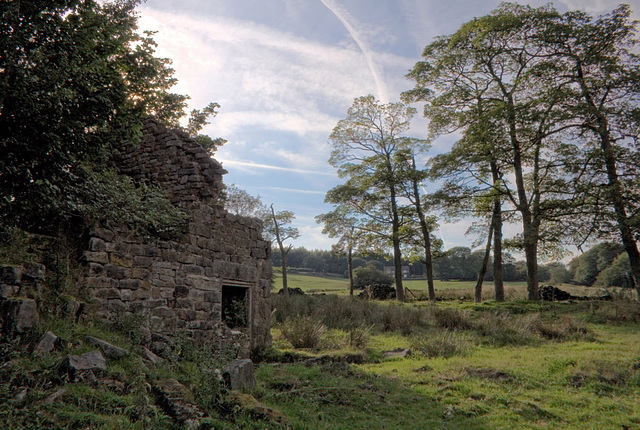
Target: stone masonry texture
176 285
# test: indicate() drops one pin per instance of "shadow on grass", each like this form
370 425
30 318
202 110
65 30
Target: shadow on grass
335 396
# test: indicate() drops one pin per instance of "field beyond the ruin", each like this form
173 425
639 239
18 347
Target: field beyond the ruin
454 365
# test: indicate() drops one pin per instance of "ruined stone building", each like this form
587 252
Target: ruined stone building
213 282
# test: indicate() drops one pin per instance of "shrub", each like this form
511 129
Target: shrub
303 331
370 276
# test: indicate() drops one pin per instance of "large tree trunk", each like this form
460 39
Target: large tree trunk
496 222
497 251
395 239
426 236
485 264
350 269
530 235
397 264
283 253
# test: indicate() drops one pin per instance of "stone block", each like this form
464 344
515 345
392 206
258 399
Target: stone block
169 255
163 312
115 272
97 245
121 260
142 262
186 314
186 258
19 316
77 365
126 295
130 284
107 293
192 269
11 275
96 257
95 269
138 273
107 348
104 234
202 307
47 343
239 374
180 291
212 297
116 306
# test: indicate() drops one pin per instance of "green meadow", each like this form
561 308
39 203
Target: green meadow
517 364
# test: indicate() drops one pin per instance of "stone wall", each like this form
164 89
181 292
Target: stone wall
180 285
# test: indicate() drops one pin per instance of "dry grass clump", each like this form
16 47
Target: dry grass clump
502 328
347 314
450 319
444 344
303 331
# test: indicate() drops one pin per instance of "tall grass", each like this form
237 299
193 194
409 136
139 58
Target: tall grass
300 319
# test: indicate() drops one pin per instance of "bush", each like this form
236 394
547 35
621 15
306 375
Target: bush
369 276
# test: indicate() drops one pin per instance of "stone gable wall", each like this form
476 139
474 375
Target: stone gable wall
173 160
177 284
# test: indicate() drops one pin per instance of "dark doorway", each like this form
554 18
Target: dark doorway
235 306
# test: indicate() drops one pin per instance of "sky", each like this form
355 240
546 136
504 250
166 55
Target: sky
286 71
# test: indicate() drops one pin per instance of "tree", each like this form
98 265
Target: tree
197 121
239 202
368 276
411 179
279 228
603 74
586 267
342 225
490 71
364 145
75 77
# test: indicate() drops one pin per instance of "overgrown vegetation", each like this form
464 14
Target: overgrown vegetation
495 365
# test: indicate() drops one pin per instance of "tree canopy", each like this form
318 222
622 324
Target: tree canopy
75 78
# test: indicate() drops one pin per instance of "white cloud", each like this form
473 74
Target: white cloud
252 165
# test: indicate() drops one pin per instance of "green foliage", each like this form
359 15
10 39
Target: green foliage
370 276
197 121
145 208
617 274
586 267
239 202
77 79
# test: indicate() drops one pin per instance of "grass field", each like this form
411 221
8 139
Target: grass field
329 284
512 365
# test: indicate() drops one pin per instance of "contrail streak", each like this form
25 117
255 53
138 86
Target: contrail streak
271 167
345 18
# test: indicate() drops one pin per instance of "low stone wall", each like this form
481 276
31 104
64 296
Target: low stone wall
177 285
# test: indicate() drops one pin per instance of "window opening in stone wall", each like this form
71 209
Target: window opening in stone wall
235 306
